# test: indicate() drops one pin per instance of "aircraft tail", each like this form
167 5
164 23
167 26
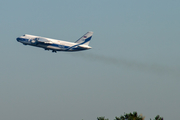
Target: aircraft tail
85 39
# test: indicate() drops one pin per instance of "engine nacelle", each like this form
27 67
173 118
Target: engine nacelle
34 41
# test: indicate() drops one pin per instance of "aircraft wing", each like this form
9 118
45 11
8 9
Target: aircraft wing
44 40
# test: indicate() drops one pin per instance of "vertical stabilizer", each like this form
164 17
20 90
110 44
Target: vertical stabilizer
85 39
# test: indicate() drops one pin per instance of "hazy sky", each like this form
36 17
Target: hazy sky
134 63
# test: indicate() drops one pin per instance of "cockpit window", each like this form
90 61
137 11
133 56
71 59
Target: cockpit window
24 35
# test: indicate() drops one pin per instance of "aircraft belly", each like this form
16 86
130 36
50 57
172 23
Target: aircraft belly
52 47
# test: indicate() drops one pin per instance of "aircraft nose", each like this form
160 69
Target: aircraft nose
18 39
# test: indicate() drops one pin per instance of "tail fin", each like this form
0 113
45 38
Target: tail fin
85 39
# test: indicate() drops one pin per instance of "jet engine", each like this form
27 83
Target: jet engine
34 41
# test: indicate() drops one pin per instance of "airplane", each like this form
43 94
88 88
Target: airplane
57 45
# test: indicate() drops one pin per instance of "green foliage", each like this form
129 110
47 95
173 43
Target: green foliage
158 118
102 118
130 116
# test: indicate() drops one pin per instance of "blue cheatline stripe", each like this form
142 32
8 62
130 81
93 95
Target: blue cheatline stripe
55 45
22 39
86 40
60 46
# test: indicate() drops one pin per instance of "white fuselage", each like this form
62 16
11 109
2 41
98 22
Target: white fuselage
53 44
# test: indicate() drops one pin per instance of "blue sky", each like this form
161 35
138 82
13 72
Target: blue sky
133 64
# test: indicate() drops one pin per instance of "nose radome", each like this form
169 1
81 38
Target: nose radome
18 39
